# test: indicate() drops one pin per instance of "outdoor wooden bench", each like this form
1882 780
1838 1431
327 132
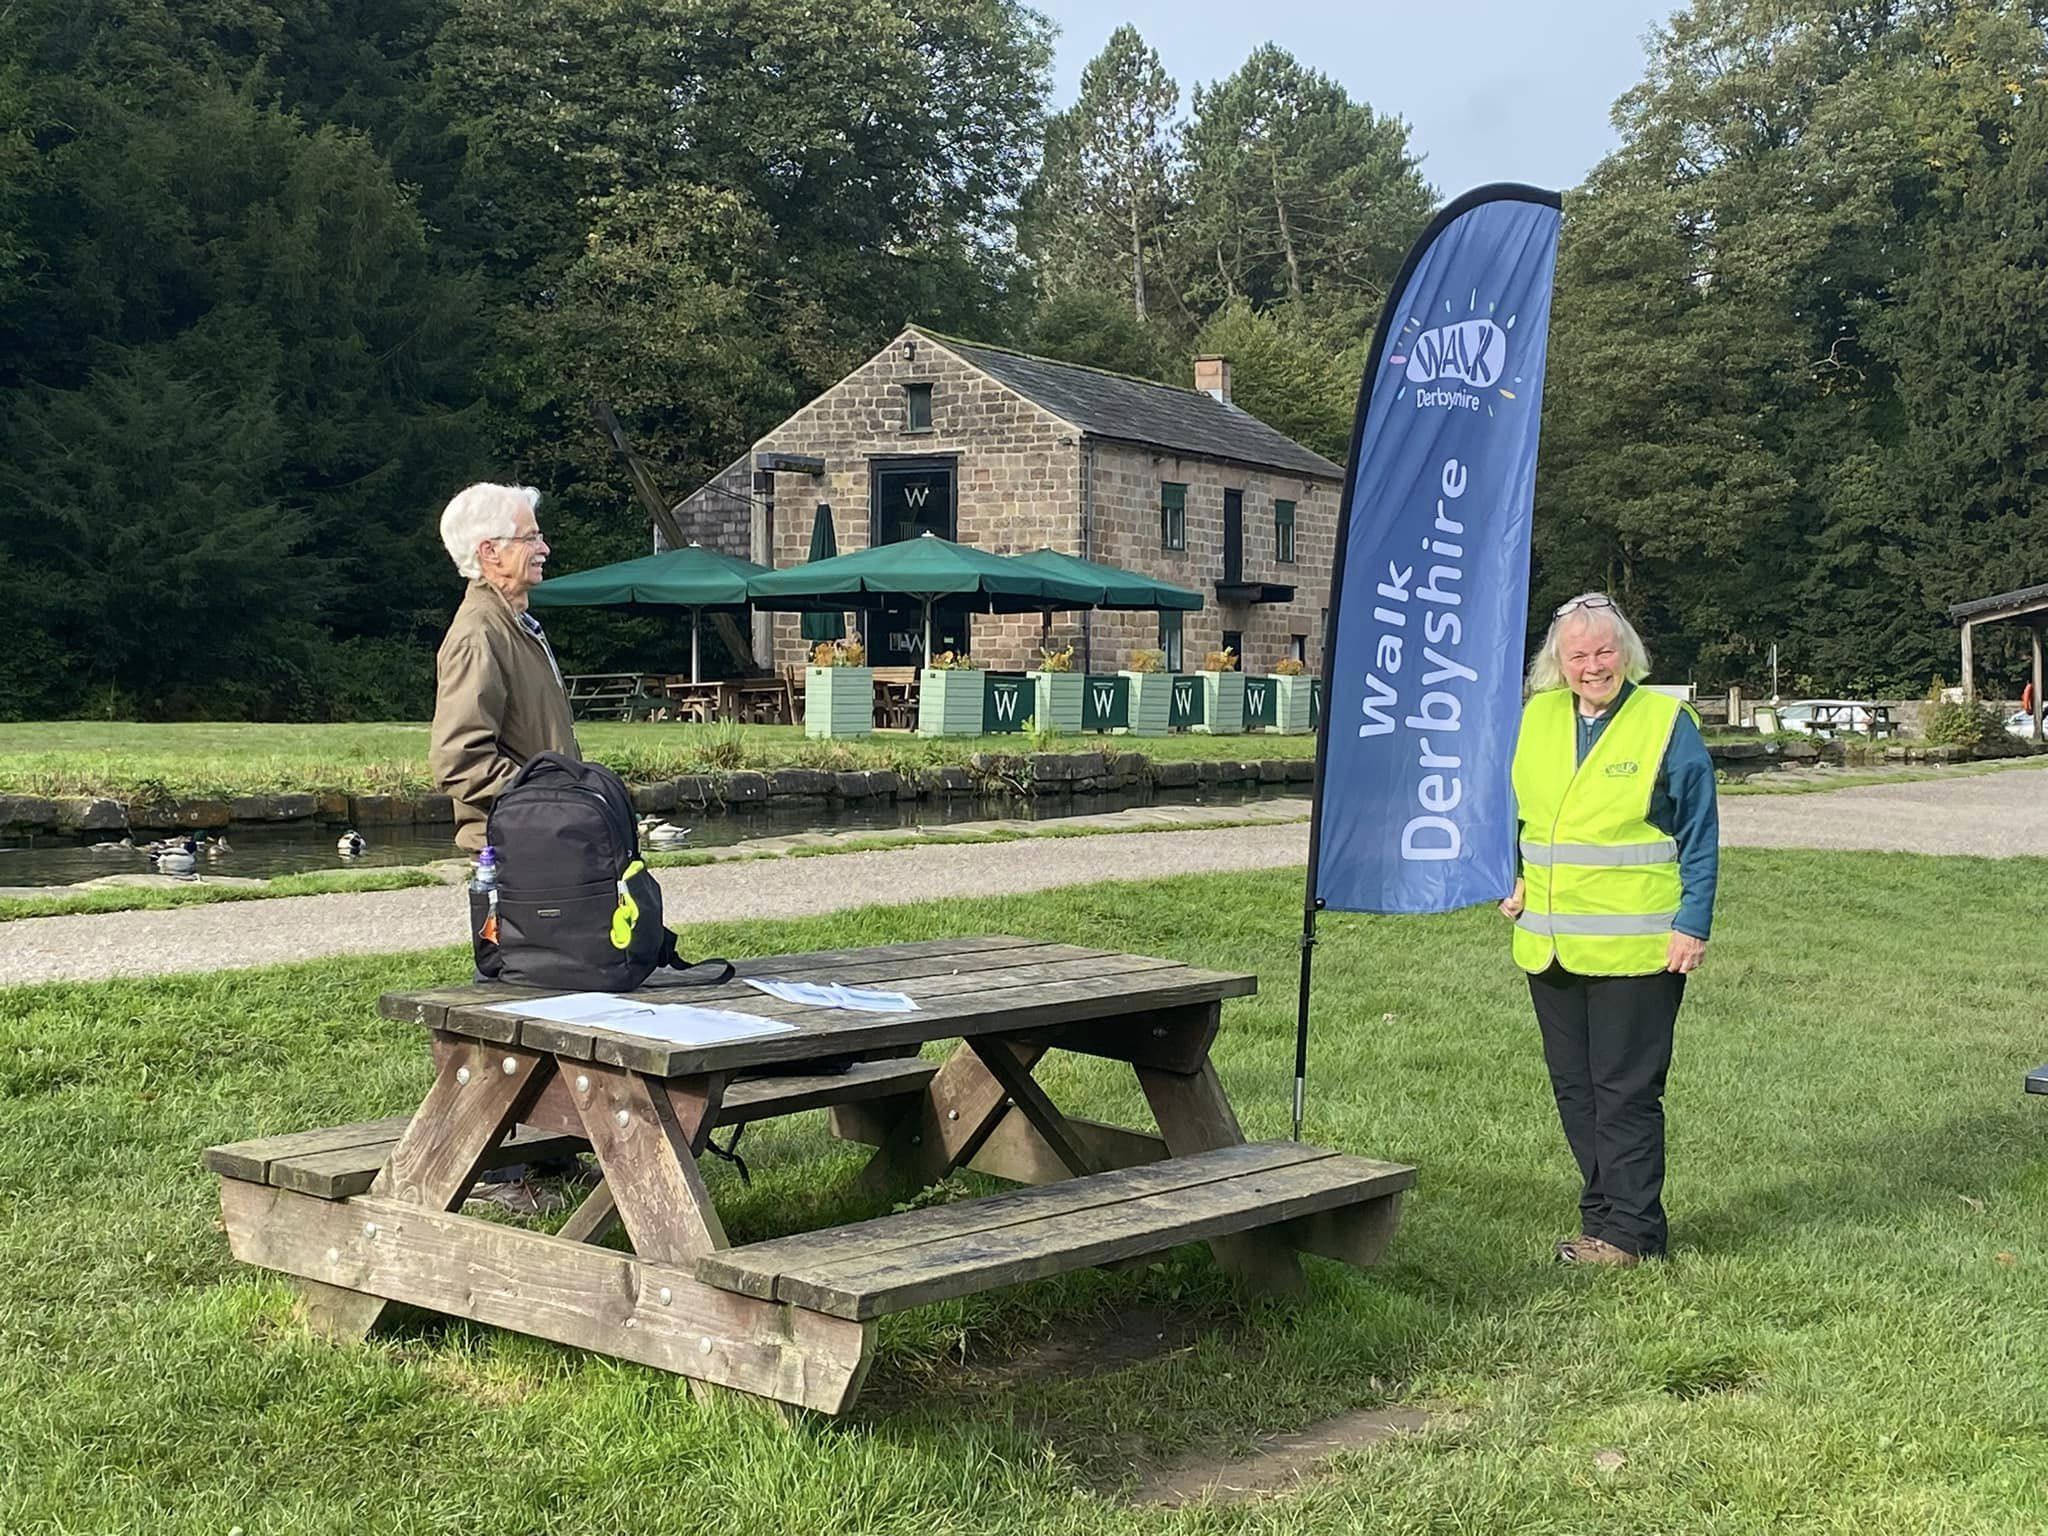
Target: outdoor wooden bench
343 1160
791 1318
893 1263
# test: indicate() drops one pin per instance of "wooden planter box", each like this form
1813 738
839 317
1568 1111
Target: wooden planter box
1293 711
1222 703
949 702
1059 701
1151 700
839 701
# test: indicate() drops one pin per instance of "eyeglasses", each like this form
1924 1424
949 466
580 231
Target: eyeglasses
534 537
1577 603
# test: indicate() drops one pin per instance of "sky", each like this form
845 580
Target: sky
1493 90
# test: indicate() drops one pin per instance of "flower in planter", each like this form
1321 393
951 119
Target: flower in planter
1224 660
952 661
839 653
1061 660
1146 661
1289 668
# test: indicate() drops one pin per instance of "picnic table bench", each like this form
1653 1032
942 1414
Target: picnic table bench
367 1215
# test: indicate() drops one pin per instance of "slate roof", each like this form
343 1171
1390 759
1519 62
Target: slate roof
2024 598
1138 411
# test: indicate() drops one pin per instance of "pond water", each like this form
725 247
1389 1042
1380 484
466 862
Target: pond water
262 851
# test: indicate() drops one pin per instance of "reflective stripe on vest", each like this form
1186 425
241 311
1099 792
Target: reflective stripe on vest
1663 851
1596 924
1601 882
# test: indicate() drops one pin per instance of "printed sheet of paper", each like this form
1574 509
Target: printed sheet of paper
672 1023
832 995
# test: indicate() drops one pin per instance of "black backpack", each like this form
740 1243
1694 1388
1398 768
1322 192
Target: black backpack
576 908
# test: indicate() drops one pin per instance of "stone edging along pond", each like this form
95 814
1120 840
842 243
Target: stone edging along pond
986 774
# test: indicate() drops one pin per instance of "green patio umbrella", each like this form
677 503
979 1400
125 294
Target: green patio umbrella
1121 589
692 578
926 568
822 626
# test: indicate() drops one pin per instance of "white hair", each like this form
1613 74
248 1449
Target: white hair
1546 671
478 512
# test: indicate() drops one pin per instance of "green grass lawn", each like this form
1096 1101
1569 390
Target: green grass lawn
87 757
155 898
1851 1337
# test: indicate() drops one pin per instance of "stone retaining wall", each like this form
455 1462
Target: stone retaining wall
987 773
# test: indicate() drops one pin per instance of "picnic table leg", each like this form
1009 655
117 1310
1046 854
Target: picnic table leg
959 1108
478 1096
645 1134
692 1105
1001 1059
1194 1115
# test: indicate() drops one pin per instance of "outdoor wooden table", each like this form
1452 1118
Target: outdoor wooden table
701 702
366 1216
762 701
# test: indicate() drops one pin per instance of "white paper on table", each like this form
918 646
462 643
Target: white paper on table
832 995
672 1023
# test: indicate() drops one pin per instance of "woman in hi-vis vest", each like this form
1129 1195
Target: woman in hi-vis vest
1620 851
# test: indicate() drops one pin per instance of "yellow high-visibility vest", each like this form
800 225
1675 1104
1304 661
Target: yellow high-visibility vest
1601 883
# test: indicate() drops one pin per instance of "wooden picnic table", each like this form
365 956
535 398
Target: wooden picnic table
1834 717
620 695
369 1215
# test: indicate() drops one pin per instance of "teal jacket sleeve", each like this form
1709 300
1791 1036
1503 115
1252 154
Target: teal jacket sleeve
1685 806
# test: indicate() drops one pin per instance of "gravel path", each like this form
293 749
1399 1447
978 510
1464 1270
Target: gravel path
250 933
1997 815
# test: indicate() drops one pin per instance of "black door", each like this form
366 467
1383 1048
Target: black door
1233 535
911 497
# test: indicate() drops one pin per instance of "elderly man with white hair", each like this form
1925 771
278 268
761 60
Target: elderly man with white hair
1620 852
499 697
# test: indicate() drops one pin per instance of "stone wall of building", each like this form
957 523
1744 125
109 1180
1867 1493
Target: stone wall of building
719 515
1125 515
1017 479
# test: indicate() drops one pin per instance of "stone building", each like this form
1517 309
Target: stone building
1012 453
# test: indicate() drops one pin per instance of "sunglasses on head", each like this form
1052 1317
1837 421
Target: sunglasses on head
1578 603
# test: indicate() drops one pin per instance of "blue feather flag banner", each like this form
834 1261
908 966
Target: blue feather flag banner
1429 597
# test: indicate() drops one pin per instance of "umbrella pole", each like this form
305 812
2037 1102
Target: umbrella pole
927 631
696 614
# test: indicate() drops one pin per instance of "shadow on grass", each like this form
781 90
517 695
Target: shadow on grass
1883 1181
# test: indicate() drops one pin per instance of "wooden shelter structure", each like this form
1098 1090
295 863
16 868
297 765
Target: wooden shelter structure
2027 605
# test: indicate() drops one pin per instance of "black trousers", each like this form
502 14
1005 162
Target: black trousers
1607 1042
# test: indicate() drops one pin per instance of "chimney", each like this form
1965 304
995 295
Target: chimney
1212 377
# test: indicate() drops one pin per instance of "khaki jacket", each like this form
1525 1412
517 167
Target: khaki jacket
498 702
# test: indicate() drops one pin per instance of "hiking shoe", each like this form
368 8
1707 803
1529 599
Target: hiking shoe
519 1197
1594 1250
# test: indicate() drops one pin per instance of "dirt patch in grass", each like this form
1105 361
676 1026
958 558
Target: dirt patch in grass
1277 1465
1109 1341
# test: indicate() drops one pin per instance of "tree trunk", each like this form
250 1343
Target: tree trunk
1286 236
1137 263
